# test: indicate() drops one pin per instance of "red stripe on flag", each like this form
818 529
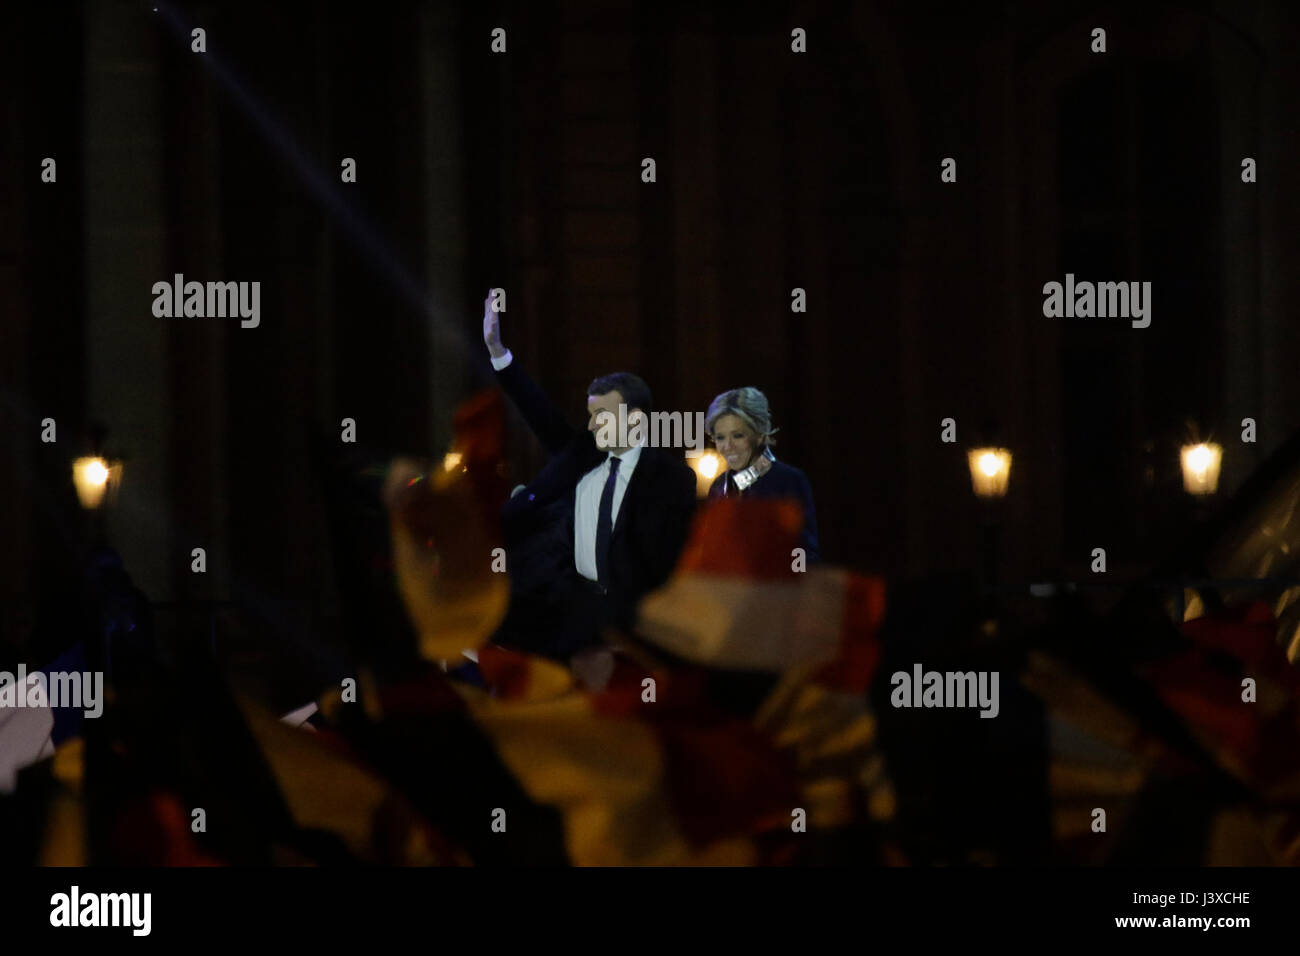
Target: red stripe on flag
744 538
506 671
864 610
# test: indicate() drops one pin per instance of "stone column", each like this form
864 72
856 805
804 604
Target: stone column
127 363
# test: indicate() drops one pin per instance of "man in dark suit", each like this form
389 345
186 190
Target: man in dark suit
600 526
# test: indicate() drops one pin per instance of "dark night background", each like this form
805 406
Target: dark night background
522 170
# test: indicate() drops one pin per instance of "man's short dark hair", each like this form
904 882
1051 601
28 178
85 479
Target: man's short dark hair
635 392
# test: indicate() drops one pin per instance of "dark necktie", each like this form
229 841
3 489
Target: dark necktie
605 524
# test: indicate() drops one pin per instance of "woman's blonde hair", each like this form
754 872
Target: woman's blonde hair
749 405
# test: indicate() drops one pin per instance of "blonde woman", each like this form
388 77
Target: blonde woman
740 423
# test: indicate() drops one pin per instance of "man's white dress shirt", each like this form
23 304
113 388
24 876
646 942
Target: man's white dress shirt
586 503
